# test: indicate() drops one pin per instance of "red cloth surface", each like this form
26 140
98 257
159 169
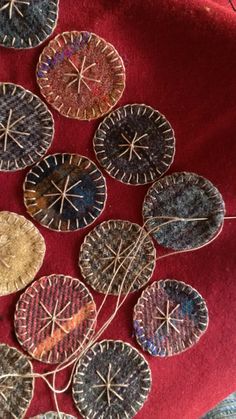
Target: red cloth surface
180 58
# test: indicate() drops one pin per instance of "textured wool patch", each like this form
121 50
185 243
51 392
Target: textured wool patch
111 381
184 195
53 415
15 392
110 248
27 23
26 128
22 250
135 144
169 318
53 317
81 75
65 192
225 409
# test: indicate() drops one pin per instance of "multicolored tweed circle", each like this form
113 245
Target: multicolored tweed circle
190 207
112 380
26 128
65 192
110 258
135 144
53 415
81 75
169 318
53 317
22 250
27 23
15 392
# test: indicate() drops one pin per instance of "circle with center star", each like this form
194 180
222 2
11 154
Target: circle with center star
53 415
135 144
81 75
65 192
27 23
18 263
169 318
112 380
16 392
26 128
190 207
54 317
117 256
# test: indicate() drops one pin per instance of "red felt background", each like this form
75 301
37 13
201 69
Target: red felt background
180 57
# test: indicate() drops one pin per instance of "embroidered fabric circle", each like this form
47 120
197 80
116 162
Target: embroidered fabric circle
185 197
53 317
15 392
26 128
27 23
81 75
65 192
18 263
53 415
169 318
112 380
115 255
135 144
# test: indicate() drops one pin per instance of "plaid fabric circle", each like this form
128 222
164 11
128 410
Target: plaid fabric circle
27 23
65 192
54 317
53 415
135 144
15 392
110 251
18 263
169 318
111 381
186 196
26 128
81 75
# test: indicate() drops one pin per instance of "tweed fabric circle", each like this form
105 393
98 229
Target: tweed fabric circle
169 318
111 247
15 392
26 128
53 317
186 196
112 380
22 250
53 415
27 23
81 75
135 144
225 409
65 192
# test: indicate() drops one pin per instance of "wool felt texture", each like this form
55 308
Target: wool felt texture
22 251
27 23
183 195
225 409
169 318
111 381
16 392
53 415
53 316
104 250
81 75
135 144
179 57
26 128
65 192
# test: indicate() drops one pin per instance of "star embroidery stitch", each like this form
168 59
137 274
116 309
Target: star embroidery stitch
167 319
54 318
117 257
79 75
13 4
108 385
131 146
8 131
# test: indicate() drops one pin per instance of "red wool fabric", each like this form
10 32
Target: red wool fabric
180 59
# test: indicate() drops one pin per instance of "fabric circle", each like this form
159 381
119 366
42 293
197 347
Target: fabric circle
22 250
112 380
110 250
27 23
169 318
81 75
53 415
186 196
26 128
15 392
135 144
53 317
65 192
